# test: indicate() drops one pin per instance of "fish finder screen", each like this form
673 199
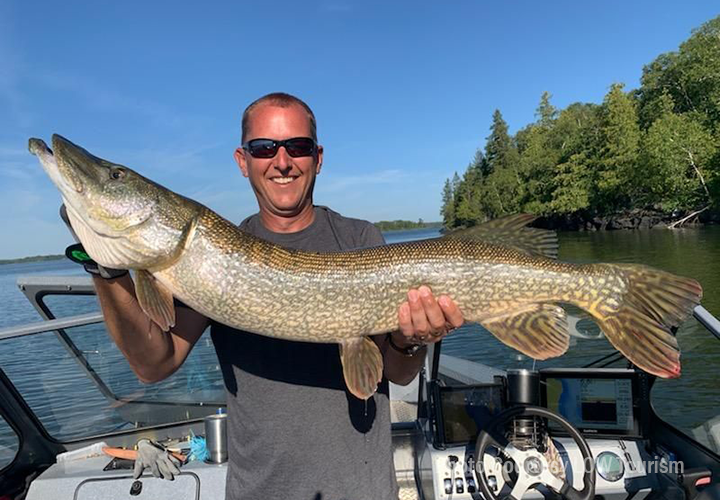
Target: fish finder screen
592 404
467 409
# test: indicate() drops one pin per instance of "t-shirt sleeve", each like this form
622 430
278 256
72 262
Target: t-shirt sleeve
371 236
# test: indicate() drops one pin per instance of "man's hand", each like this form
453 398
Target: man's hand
161 463
425 319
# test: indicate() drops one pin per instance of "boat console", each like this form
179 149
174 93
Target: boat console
533 434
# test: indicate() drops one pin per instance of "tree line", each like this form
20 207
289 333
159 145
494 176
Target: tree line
654 148
397 225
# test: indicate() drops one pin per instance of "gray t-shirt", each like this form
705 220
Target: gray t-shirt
294 431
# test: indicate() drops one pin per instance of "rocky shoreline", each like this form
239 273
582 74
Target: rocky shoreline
631 219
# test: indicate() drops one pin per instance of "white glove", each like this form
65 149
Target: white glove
161 462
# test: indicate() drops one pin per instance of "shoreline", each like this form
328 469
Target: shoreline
625 220
33 258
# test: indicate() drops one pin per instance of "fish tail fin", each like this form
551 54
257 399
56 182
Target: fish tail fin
639 325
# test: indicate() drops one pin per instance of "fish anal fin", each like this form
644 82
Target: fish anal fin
512 231
155 300
362 364
645 342
538 330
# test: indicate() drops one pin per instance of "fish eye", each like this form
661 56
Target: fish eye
117 173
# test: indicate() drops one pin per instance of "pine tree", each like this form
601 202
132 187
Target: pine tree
618 179
448 206
546 113
499 149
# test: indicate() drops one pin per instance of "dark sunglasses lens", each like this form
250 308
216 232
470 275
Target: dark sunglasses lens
262 148
301 146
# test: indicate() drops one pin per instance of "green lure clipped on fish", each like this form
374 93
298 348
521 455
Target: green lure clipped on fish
501 274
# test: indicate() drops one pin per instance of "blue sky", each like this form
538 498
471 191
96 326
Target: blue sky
403 91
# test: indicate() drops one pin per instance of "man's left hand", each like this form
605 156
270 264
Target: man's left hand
425 319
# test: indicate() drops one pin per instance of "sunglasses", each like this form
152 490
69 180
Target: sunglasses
268 148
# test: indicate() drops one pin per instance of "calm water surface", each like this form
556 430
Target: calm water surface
686 402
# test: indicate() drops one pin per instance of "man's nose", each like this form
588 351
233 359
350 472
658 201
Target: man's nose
283 161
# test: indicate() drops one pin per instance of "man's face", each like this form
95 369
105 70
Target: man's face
283 184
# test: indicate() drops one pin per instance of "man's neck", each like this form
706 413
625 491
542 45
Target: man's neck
280 224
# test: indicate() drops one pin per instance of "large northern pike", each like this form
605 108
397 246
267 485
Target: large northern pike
501 275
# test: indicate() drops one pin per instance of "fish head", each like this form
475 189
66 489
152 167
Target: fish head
123 219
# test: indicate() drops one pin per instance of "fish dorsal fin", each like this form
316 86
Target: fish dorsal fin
155 300
512 231
362 364
537 330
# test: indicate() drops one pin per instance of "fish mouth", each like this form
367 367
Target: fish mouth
49 163
77 175
70 167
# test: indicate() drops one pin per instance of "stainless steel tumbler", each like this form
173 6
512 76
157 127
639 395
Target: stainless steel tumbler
216 437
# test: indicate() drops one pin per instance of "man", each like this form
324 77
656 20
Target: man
293 428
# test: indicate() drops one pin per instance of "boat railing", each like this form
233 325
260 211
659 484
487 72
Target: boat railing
710 322
50 325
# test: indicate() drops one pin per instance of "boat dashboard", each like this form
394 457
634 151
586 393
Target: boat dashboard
607 407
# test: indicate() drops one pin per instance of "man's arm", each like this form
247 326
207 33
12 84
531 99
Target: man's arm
152 354
422 319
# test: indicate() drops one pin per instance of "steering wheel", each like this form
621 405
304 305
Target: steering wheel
531 466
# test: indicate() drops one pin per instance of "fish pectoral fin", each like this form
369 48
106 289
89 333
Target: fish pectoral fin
512 231
362 364
155 300
539 330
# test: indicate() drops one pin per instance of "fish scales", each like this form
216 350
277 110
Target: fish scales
257 286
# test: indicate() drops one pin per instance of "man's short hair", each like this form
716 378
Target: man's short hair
282 100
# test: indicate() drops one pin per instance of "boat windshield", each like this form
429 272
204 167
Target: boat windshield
79 385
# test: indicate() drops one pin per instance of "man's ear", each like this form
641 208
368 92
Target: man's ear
241 160
319 159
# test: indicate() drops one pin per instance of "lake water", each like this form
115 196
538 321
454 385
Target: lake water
37 365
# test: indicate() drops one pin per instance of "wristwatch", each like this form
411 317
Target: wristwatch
408 351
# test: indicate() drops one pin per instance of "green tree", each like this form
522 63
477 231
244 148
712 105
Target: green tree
500 152
577 130
573 185
501 188
546 113
447 211
538 158
678 158
577 139
618 180
470 206
691 76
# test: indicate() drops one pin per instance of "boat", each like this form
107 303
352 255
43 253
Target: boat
463 429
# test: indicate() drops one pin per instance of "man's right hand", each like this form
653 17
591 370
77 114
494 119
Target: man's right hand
76 253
